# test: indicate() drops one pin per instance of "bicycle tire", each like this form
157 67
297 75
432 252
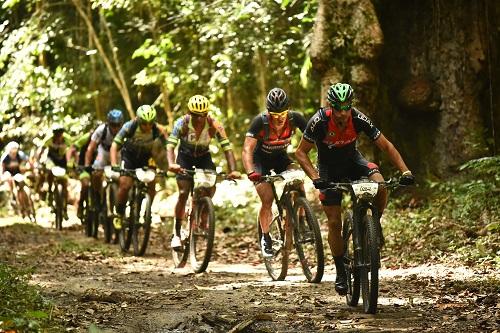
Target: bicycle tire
306 231
106 222
31 208
125 233
180 257
277 265
142 224
205 231
59 205
352 272
371 258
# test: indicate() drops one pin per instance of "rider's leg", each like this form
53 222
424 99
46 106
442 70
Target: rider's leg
265 192
381 198
84 183
65 196
125 183
184 186
332 209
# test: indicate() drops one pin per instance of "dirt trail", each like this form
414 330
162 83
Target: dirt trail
94 285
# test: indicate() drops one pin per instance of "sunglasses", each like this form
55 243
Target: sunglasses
338 107
279 115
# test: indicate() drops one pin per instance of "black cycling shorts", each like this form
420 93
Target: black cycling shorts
354 168
188 162
132 161
263 163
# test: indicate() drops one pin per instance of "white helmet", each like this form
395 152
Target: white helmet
11 145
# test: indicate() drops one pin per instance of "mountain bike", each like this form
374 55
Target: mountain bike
136 225
106 215
362 236
292 213
23 195
57 195
96 207
198 242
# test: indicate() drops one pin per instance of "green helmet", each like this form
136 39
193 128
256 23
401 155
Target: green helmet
146 113
340 92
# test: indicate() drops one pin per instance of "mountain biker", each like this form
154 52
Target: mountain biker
77 153
334 130
195 131
265 148
137 141
13 162
102 139
56 146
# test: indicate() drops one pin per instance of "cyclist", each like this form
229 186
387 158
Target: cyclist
194 131
265 148
136 141
334 130
101 139
13 162
77 153
56 146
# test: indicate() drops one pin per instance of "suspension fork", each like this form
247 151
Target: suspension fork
358 227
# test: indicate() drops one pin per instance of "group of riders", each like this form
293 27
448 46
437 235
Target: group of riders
333 129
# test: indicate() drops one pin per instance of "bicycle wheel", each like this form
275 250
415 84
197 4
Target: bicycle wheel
201 236
59 202
277 265
352 272
106 222
31 208
180 257
142 225
125 233
371 263
89 215
308 242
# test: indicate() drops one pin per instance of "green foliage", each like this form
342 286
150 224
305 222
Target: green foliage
22 307
455 220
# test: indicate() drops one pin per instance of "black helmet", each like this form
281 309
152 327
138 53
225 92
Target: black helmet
339 93
277 100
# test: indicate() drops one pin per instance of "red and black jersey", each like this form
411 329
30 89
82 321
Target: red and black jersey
335 145
269 141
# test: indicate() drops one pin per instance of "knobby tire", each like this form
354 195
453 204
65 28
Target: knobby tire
308 242
201 251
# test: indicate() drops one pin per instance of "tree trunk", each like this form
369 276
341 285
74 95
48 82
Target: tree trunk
345 46
445 44
115 73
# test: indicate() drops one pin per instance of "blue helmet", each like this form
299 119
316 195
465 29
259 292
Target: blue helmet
115 116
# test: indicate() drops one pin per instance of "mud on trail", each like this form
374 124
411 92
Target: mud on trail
96 288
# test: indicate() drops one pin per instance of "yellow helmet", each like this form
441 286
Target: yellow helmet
198 104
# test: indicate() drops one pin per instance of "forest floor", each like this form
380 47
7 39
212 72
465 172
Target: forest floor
96 288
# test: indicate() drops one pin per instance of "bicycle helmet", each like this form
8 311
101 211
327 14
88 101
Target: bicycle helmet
115 116
277 100
57 128
198 104
146 113
339 93
11 145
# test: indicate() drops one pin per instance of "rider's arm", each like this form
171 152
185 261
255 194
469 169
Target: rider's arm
303 158
386 146
172 142
89 153
247 153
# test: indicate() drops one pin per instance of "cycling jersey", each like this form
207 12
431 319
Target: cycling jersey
12 165
103 137
335 145
57 151
138 145
82 143
197 146
269 142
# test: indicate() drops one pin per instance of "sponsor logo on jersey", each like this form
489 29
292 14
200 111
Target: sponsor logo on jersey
315 121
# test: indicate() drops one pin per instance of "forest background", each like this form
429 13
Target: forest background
426 72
